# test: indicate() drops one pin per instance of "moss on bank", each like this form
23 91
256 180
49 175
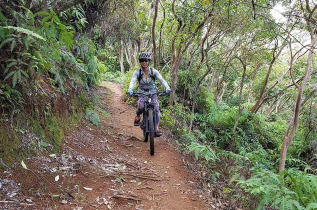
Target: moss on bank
41 127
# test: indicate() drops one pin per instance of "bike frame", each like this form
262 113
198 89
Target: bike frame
148 104
149 110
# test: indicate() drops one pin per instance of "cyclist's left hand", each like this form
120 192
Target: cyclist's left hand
168 91
130 93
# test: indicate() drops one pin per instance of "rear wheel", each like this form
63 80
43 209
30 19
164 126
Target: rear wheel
151 128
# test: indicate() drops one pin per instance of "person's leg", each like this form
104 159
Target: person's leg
139 111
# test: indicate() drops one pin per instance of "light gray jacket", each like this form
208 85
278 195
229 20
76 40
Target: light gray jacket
147 84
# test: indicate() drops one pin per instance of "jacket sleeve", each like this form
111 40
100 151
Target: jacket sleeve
133 80
159 77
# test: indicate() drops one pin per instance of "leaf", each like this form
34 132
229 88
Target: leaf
118 179
55 196
56 178
23 165
87 188
9 75
13 44
52 155
311 206
43 144
42 13
139 183
15 78
6 41
25 31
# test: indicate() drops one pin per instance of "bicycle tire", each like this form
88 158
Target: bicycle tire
145 136
151 128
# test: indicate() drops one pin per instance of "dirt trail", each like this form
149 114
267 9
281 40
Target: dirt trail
107 167
176 188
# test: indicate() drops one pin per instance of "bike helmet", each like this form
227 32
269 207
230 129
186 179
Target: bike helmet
145 55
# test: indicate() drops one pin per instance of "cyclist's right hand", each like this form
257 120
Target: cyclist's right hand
130 93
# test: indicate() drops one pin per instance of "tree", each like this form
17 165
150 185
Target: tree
308 14
187 30
153 33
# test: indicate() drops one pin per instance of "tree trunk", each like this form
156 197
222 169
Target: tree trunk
244 65
160 40
175 67
153 33
120 53
258 103
223 90
292 126
181 48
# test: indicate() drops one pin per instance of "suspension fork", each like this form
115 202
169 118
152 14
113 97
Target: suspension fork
145 118
155 119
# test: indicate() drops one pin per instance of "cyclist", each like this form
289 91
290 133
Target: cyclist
146 77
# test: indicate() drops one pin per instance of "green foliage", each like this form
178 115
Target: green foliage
177 118
22 63
204 151
25 31
116 77
291 189
55 133
11 102
76 16
92 116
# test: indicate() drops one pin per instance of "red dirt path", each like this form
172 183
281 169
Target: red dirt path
108 167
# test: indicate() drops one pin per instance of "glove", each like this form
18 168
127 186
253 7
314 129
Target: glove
130 93
168 91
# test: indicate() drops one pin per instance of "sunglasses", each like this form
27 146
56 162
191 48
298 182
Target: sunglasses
143 60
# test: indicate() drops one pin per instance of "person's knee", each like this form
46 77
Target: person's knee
141 106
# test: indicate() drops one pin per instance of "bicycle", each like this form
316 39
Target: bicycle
149 121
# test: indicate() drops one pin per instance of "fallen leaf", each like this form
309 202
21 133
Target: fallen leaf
87 188
56 178
23 165
55 196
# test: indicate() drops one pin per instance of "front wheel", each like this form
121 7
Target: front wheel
151 128
145 136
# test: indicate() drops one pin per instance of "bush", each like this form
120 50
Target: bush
291 189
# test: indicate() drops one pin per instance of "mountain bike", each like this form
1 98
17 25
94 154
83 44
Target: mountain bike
149 120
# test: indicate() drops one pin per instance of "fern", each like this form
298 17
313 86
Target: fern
92 116
290 189
25 31
201 150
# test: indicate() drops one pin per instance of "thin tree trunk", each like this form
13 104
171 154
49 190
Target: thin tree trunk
258 103
153 33
181 49
120 52
160 39
293 124
223 90
244 65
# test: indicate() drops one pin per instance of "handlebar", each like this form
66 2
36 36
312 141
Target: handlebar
150 94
